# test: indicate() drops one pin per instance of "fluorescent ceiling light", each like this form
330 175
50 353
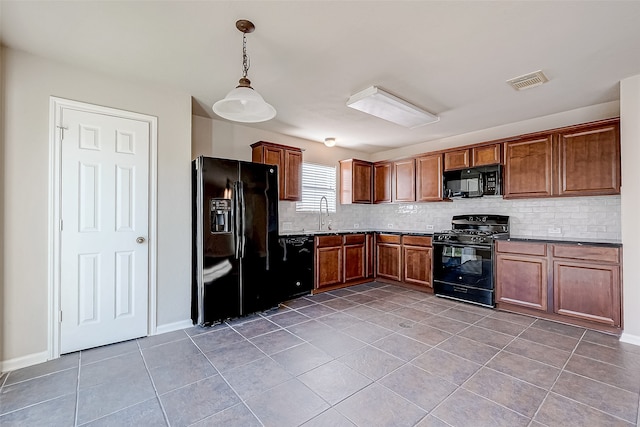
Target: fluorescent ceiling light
379 103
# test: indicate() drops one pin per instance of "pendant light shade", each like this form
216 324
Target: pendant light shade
243 103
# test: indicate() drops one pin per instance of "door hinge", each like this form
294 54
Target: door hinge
61 225
60 316
62 129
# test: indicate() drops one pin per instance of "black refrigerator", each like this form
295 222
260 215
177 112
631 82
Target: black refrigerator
235 239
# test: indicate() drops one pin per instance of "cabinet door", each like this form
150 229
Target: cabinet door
292 176
405 182
371 255
382 182
590 161
487 155
273 156
587 291
522 280
362 175
329 266
528 168
388 257
429 178
417 265
458 159
355 264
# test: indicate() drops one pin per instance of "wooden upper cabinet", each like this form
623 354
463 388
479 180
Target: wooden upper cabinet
289 162
429 178
486 155
356 178
405 181
292 188
458 159
589 161
529 168
382 174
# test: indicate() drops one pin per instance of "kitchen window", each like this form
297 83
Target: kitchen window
317 181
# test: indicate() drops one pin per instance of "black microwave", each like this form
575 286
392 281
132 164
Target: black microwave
473 182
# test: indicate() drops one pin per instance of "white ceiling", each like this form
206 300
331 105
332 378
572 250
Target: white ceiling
307 57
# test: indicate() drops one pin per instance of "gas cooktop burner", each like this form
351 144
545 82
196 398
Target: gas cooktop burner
475 229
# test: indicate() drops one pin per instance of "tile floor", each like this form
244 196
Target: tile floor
371 355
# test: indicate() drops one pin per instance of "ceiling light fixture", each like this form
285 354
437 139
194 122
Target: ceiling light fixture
384 105
329 142
244 104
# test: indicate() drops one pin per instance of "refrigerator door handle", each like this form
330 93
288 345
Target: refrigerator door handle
237 218
242 214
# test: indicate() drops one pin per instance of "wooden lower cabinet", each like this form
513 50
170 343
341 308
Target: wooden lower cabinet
355 257
405 259
370 245
417 265
389 256
328 266
416 261
523 280
588 291
341 260
571 283
389 266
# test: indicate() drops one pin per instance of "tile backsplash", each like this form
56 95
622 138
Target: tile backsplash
573 217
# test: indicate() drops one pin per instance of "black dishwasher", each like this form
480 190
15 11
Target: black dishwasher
296 266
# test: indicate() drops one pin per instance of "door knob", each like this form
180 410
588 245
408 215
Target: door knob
140 240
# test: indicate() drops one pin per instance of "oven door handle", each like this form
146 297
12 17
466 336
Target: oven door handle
457 245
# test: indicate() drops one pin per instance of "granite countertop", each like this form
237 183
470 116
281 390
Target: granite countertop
513 238
351 231
566 240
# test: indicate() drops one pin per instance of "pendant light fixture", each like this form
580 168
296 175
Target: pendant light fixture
244 104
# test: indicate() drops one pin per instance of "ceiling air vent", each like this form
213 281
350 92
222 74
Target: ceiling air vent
528 80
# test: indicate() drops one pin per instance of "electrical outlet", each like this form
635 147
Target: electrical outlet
389 225
356 226
429 227
554 230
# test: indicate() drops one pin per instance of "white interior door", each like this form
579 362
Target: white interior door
104 255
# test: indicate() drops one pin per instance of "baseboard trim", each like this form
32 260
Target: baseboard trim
175 326
23 361
630 339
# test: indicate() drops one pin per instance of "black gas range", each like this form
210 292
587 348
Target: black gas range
463 258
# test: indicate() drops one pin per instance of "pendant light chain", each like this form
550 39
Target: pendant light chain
245 58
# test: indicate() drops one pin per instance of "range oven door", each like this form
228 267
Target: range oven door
466 265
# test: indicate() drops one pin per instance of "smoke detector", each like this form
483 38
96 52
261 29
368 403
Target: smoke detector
528 80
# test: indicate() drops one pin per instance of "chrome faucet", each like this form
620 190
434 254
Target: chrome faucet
326 203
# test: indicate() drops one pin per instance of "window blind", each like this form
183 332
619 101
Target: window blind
317 181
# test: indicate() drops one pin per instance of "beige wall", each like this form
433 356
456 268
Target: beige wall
2 108
218 138
29 82
630 205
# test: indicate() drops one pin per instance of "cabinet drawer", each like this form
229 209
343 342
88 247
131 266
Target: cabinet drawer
591 253
536 249
389 238
328 241
416 240
354 239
